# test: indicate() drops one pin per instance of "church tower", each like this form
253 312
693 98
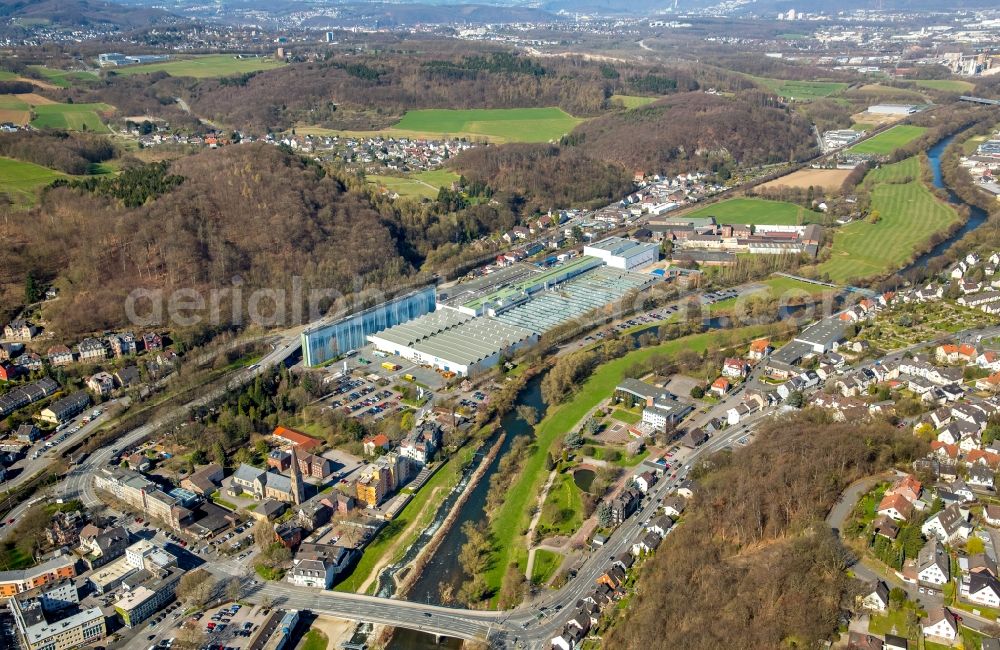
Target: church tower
298 489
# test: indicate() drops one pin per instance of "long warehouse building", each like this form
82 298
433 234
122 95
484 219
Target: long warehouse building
453 341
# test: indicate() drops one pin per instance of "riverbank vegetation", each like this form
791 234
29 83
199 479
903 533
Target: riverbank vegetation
594 379
758 567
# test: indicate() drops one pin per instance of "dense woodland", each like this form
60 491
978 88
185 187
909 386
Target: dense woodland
544 176
696 131
255 216
754 565
66 152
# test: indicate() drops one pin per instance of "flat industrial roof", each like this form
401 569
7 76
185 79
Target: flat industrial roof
572 299
620 246
455 336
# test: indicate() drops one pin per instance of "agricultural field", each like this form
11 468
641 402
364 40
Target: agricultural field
21 180
801 90
74 117
423 185
830 179
888 141
14 110
211 65
946 85
503 124
632 101
757 211
62 78
909 215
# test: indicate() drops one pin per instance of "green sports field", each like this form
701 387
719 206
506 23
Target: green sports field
210 65
757 211
74 117
21 180
888 141
946 85
909 213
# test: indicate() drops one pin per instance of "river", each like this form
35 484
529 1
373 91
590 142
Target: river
443 569
977 216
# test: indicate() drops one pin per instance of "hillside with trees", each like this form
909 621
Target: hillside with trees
697 131
753 565
254 216
544 176
67 152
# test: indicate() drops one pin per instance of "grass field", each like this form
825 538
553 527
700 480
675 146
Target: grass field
632 101
63 78
314 640
562 512
947 85
628 417
495 125
515 514
782 285
546 564
757 211
21 180
210 65
74 117
510 124
422 185
888 141
909 213
801 90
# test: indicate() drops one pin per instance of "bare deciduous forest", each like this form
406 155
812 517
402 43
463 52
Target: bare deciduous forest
754 565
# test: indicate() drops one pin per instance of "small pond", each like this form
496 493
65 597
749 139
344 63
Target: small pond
584 478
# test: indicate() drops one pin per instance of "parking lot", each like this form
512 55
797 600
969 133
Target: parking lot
229 627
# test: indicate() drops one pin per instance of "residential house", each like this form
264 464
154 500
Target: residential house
980 588
674 505
877 598
378 442
862 641
59 355
122 345
91 349
895 506
204 481
66 408
101 383
128 376
759 349
933 564
719 387
940 624
735 368
20 330
948 525
981 476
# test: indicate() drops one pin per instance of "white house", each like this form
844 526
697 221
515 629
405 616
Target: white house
949 525
980 588
940 623
933 566
877 599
